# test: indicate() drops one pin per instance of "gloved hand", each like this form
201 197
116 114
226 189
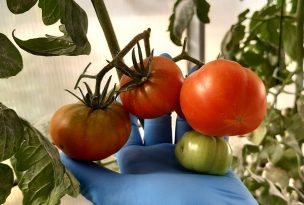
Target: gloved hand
150 174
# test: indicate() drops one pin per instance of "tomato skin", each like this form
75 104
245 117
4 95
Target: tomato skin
204 154
223 98
159 94
86 134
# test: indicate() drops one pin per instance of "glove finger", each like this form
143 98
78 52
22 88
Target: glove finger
158 130
181 128
135 136
86 172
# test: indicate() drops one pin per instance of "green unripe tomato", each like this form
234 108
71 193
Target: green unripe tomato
204 154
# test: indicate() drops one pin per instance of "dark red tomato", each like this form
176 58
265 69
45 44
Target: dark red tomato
223 98
158 94
86 134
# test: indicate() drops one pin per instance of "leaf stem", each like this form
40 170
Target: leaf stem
108 30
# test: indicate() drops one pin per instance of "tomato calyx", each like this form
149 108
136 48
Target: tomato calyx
140 73
99 101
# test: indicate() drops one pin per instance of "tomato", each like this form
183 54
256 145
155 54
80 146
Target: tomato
158 94
204 154
223 98
86 134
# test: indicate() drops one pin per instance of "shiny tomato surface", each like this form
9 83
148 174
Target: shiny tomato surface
223 98
156 95
86 134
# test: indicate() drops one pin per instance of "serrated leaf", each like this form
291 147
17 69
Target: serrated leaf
202 10
11 132
52 46
10 58
75 20
41 176
7 181
180 19
50 11
20 6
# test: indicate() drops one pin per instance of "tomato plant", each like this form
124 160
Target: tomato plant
157 93
87 134
223 98
204 154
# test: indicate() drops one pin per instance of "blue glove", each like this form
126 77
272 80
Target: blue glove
150 174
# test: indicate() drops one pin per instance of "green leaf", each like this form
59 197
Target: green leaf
230 45
295 126
289 39
180 19
242 16
276 175
11 132
7 181
50 11
20 6
258 135
252 58
10 58
75 20
202 10
41 176
53 46
289 162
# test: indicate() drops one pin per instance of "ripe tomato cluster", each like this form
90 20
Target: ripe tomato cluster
219 99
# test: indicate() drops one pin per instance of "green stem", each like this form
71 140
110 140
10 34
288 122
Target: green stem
299 36
108 30
117 59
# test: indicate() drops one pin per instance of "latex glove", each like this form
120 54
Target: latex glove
150 174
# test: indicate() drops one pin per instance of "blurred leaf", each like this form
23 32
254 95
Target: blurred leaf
181 17
252 58
202 10
300 106
50 11
11 132
258 135
41 176
273 195
10 58
7 181
75 20
295 126
276 175
289 162
289 39
20 6
231 42
53 46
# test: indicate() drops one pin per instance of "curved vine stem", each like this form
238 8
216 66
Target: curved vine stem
116 62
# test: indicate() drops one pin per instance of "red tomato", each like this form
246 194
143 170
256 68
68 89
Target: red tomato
158 94
223 98
86 134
